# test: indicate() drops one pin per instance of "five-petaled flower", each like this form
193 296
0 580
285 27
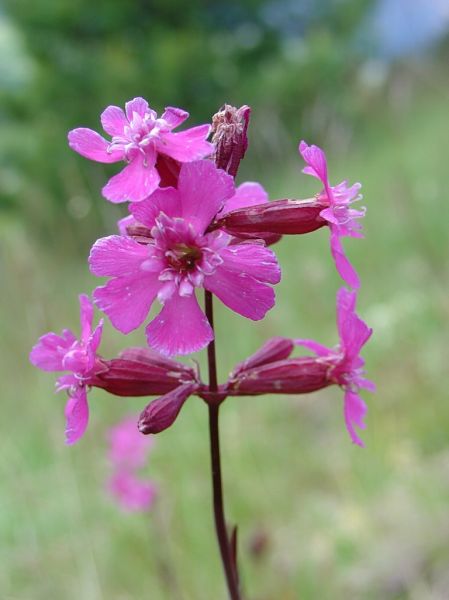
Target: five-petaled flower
179 256
138 137
345 365
340 217
65 352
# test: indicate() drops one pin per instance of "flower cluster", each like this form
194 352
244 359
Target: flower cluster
189 228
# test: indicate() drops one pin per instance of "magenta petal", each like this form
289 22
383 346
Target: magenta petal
188 145
77 415
274 350
50 350
251 259
135 182
113 120
346 303
86 316
118 256
123 224
203 189
137 105
344 267
95 340
180 328
241 293
319 349
316 161
329 215
91 145
353 332
174 116
162 200
127 300
247 194
354 413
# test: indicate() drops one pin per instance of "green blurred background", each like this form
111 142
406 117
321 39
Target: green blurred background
318 517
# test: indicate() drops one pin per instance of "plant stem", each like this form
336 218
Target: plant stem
217 487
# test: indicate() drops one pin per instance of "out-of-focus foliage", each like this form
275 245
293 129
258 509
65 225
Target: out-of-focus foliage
72 58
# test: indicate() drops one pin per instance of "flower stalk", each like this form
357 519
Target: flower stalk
215 459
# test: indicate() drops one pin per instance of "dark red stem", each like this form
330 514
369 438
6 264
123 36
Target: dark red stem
217 487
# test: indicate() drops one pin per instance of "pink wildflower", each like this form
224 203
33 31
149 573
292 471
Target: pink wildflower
66 353
127 447
178 257
139 137
345 366
128 451
340 217
132 494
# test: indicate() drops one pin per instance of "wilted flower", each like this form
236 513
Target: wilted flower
66 353
340 217
178 257
229 128
139 137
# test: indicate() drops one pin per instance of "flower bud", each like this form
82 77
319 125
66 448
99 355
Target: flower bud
292 376
162 412
279 216
274 349
142 372
229 128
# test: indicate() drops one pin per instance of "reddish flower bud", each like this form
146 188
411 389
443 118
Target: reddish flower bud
267 238
274 349
292 376
142 372
162 412
229 128
280 217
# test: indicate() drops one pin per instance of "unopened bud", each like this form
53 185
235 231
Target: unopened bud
291 376
285 217
274 349
142 372
162 412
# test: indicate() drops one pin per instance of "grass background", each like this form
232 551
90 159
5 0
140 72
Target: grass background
337 521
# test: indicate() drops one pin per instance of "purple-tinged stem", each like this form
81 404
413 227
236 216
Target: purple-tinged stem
217 487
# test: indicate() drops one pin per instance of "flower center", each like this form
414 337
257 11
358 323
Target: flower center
183 257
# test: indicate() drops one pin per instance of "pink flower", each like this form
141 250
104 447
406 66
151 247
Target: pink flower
128 452
340 217
345 366
139 137
66 353
131 493
178 257
127 447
